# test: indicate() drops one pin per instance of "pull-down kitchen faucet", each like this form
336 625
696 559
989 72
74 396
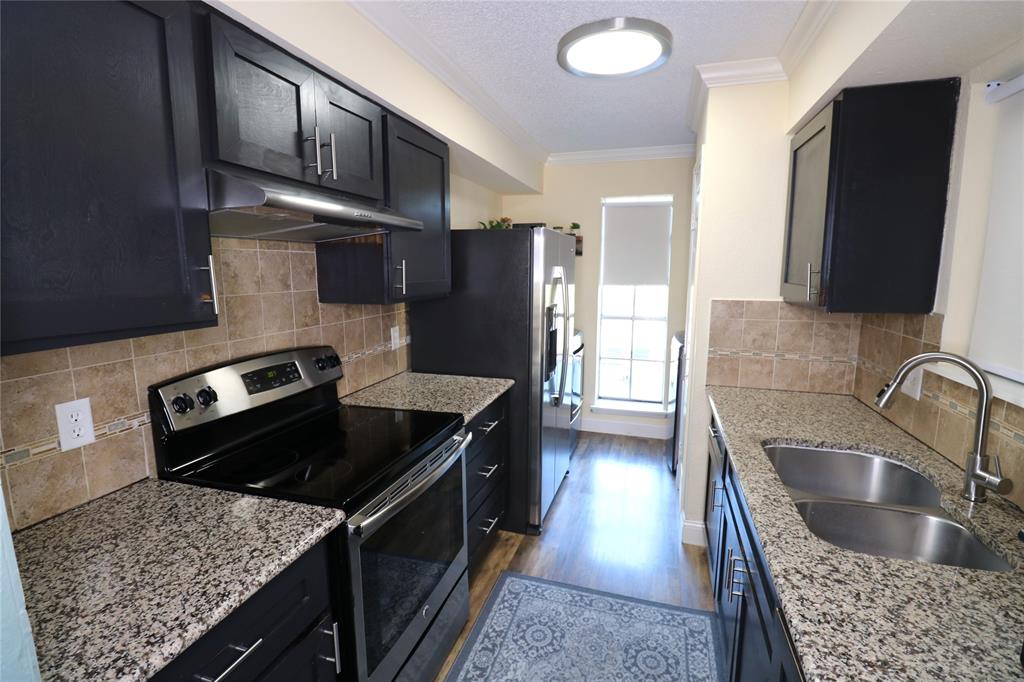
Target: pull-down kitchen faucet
977 477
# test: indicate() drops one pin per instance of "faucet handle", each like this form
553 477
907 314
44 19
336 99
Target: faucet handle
994 480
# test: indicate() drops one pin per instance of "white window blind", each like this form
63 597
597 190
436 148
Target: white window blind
997 340
635 248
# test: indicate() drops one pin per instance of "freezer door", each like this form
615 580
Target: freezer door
555 402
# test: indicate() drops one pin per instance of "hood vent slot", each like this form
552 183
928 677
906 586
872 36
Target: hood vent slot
254 208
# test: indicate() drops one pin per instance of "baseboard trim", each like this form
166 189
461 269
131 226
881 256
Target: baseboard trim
627 428
694 533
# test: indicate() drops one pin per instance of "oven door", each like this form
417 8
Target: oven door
407 550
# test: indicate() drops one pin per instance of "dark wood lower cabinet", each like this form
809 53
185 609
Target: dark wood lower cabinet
283 632
754 636
486 480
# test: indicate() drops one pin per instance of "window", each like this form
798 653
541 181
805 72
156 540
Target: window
633 301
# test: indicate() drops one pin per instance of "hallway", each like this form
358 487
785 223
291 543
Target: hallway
614 526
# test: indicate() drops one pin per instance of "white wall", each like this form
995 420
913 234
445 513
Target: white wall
743 156
573 193
472 203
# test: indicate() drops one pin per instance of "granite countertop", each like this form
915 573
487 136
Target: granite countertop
118 587
858 616
432 393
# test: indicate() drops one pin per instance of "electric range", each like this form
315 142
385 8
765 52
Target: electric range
272 425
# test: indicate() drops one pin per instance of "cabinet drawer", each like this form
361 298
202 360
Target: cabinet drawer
485 471
484 525
487 427
242 645
311 660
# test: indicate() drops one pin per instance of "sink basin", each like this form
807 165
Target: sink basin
852 476
922 535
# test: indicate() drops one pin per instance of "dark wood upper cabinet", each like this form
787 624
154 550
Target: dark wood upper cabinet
277 115
104 222
399 265
265 104
418 168
351 138
869 177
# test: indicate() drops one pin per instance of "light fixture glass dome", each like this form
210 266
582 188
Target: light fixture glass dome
617 47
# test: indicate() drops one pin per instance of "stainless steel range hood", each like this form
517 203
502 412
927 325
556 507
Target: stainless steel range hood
253 208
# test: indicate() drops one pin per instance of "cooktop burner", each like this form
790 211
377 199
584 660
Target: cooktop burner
332 458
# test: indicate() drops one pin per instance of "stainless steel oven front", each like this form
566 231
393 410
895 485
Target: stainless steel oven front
406 551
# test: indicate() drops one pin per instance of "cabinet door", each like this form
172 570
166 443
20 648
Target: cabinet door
808 210
420 264
754 627
104 221
351 140
714 507
728 606
311 659
265 102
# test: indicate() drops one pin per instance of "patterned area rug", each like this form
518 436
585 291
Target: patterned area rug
533 629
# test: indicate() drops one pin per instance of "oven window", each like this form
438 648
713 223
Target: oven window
405 559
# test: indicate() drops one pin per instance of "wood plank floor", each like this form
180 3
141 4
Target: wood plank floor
614 526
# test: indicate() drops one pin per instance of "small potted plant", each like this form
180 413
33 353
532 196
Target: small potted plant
504 223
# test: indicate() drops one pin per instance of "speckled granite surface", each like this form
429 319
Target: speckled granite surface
118 587
432 392
855 616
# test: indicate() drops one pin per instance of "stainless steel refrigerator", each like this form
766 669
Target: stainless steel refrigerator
511 314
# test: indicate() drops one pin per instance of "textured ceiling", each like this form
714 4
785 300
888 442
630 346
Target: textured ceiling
507 51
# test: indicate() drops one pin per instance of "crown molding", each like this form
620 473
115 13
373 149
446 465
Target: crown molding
720 74
669 151
808 25
390 20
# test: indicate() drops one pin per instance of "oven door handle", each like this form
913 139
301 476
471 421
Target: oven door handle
375 520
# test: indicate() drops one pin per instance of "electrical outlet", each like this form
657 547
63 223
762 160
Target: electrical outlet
912 384
74 424
394 338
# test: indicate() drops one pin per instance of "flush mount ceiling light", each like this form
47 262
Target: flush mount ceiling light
613 48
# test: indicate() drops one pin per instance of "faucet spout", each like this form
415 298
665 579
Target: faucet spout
977 477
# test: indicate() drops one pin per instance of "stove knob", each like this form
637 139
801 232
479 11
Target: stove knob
182 403
321 364
206 396
335 361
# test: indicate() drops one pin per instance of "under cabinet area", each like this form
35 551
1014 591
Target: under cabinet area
399 265
866 212
755 642
104 214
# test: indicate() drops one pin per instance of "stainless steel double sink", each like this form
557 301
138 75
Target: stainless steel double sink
875 505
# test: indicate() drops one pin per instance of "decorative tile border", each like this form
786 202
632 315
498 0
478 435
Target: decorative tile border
783 355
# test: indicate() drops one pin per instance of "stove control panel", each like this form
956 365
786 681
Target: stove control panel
231 388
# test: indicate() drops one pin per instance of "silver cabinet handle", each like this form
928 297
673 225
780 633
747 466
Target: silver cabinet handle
316 142
334 160
238 661
213 285
491 523
402 268
714 495
333 633
810 273
733 580
489 426
487 472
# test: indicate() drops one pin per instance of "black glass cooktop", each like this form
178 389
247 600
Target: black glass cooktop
340 458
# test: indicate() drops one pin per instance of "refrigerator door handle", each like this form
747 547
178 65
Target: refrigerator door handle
559 277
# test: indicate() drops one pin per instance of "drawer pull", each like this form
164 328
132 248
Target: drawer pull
491 523
487 472
714 495
238 661
489 426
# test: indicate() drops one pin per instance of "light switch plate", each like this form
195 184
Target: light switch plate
74 424
912 384
394 338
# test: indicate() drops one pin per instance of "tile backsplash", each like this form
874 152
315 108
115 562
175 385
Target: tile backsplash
770 344
269 301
